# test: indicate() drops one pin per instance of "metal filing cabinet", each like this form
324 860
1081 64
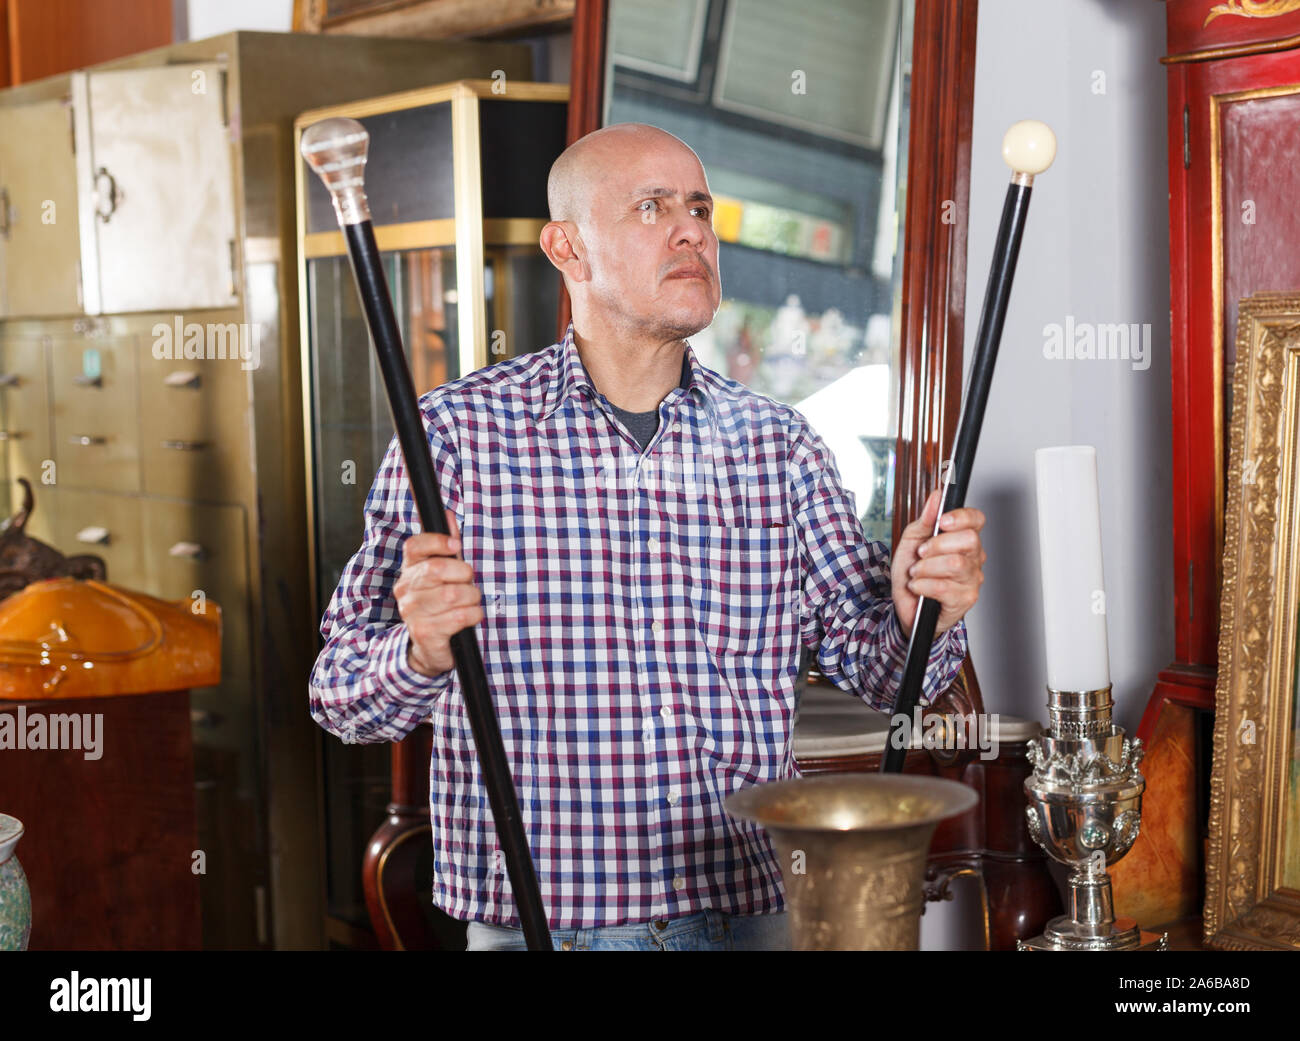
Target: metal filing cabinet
24 408
196 434
170 175
38 210
153 160
95 408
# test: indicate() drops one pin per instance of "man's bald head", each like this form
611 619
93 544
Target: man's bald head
589 161
631 231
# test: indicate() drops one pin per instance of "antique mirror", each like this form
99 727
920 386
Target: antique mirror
794 112
843 277
843 274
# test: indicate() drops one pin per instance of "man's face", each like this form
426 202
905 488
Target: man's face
651 252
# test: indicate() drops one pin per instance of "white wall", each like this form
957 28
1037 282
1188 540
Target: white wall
1096 246
204 18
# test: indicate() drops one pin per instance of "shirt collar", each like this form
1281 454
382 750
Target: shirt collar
570 375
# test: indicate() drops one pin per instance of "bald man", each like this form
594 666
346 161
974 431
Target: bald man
643 547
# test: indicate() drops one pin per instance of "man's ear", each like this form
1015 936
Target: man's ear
562 245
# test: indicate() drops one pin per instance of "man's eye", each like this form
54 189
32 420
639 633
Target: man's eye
702 212
648 202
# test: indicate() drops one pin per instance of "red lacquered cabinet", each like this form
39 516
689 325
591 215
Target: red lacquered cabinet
1234 135
1233 74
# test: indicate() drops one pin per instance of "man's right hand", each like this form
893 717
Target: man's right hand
436 597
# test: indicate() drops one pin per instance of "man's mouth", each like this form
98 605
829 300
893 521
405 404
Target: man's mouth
689 271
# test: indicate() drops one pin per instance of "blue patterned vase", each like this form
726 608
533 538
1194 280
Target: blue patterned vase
15 898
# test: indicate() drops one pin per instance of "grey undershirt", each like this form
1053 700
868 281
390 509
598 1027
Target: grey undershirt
642 425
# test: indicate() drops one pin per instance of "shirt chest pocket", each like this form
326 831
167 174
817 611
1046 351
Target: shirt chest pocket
745 589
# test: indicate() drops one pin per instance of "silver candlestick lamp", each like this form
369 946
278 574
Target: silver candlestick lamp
1085 806
1085 794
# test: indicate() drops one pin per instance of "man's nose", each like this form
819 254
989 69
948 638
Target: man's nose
686 230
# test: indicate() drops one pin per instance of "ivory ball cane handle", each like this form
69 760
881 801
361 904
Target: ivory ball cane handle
1028 148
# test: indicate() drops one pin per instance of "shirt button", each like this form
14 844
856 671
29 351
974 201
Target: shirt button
672 798
677 426
679 883
652 542
666 713
657 627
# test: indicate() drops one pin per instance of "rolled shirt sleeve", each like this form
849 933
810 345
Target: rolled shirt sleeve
848 616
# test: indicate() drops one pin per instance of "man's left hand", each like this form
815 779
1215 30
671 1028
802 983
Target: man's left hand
947 567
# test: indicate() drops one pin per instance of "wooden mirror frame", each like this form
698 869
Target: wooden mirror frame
932 318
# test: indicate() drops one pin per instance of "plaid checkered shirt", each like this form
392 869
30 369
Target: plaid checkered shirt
644 614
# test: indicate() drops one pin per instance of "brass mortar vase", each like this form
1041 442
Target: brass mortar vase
852 848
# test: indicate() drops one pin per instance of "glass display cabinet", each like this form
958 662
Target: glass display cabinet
456 179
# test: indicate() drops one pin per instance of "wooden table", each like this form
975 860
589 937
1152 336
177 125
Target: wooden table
110 838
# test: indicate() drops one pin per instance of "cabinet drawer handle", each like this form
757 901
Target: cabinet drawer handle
87 439
88 381
182 379
4 212
10 435
185 446
105 192
94 535
8 379
188 550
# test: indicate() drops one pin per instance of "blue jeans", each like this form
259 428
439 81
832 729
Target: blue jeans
707 931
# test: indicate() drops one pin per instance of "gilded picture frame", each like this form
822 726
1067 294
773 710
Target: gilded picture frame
1253 862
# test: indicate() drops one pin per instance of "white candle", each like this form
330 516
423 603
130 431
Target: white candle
1069 543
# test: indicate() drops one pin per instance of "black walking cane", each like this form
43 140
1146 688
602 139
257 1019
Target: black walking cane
1028 148
336 150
